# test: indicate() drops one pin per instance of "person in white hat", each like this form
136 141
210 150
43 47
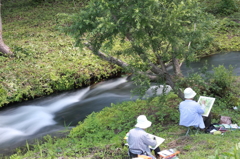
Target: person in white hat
190 111
139 140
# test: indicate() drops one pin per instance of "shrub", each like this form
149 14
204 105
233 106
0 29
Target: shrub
227 7
221 7
226 25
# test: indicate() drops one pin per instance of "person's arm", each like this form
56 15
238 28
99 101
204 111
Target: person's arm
148 140
203 104
200 109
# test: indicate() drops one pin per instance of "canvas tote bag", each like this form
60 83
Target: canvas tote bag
225 120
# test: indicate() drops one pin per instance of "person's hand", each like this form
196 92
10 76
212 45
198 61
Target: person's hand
203 102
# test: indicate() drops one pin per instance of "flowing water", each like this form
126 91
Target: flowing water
45 115
225 59
31 119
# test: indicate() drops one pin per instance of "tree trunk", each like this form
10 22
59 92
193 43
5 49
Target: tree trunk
177 66
169 81
154 69
3 48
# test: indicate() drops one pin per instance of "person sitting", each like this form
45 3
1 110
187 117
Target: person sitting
139 140
190 111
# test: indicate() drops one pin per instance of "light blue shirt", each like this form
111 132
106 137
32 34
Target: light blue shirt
190 114
139 141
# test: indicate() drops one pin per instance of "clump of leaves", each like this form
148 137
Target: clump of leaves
221 7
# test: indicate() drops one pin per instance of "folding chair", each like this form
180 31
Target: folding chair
191 129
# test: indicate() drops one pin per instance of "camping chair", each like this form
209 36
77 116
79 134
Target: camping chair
192 129
133 156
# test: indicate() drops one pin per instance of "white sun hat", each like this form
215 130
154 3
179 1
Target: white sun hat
142 122
189 93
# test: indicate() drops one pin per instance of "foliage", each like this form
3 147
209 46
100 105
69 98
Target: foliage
166 111
40 1
3 96
46 2
222 80
118 119
226 34
227 7
221 7
226 24
219 83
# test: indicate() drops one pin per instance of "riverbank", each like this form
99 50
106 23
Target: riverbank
22 146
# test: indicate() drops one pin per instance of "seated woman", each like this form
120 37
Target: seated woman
139 140
191 112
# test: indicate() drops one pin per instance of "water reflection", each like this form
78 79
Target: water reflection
225 59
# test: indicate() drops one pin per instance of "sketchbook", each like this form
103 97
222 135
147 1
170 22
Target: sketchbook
206 103
169 154
158 139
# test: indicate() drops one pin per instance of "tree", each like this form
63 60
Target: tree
152 35
3 48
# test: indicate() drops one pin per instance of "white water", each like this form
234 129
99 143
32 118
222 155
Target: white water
28 119
50 114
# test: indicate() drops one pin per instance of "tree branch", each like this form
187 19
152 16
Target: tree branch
125 65
108 58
